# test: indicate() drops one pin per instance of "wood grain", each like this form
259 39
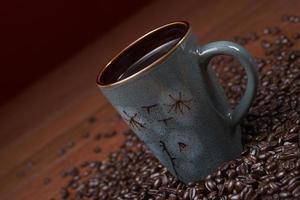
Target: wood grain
57 109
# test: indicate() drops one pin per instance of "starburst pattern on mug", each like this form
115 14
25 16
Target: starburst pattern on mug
179 104
133 122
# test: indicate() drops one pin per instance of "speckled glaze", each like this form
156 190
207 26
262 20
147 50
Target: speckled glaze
180 111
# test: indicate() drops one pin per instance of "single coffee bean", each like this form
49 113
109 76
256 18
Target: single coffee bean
220 188
47 180
92 119
293 185
284 194
172 197
212 195
192 193
280 174
296 192
231 173
186 195
265 44
271 166
250 194
210 185
157 183
97 150
85 135
235 197
239 186
64 193
98 136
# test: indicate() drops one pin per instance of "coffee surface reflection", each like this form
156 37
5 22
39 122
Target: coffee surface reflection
149 58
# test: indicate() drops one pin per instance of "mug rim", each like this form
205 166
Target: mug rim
150 66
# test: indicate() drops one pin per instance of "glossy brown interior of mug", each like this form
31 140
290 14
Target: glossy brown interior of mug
143 52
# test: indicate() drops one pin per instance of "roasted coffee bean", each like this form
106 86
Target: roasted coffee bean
288 156
210 185
169 190
64 193
248 194
70 144
285 194
267 31
263 156
97 150
98 136
229 185
271 166
30 164
85 134
157 183
235 197
191 184
280 174
296 36
74 185
172 197
74 171
219 180
242 169
275 30
286 179
220 188
262 189
212 195
47 180
252 36
292 186
186 195
192 193
164 179
110 134
61 151
291 137
92 119
273 187
265 44
239 186
296 192
231 173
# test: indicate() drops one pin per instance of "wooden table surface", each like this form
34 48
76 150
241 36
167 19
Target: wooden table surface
65 104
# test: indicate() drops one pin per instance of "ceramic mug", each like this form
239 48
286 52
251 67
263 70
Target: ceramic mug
163 87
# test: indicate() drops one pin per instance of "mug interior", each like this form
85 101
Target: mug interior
143 53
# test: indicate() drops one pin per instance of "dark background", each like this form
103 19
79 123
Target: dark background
38 35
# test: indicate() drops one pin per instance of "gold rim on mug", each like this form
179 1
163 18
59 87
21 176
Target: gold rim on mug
150 66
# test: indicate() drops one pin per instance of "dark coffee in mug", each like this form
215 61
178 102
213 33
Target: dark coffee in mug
149 58
143 53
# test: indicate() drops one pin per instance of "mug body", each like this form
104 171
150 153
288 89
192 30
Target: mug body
168 104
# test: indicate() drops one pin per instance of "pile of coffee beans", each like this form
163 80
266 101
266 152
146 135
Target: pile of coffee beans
269 166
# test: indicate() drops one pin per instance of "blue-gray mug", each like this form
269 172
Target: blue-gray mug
163 87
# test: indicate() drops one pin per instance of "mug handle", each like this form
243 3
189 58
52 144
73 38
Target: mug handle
208 51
